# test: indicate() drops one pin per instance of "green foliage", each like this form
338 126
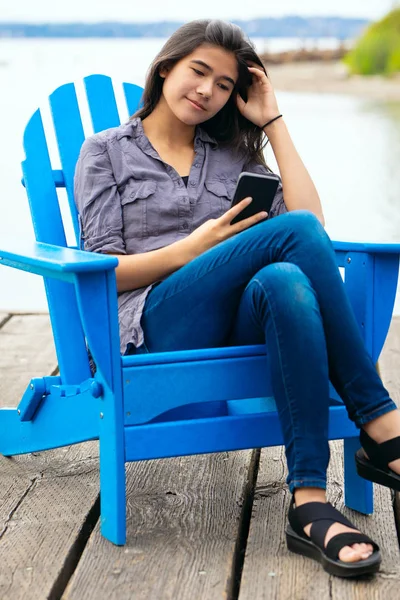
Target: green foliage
378 50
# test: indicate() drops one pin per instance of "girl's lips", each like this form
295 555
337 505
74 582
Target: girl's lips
195 105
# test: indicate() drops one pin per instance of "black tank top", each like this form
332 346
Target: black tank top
185 180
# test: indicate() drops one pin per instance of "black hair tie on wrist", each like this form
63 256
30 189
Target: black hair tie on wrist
271 121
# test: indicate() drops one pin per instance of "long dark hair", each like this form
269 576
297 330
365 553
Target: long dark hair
228 126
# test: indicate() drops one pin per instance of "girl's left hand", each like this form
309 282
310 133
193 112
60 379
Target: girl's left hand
261 105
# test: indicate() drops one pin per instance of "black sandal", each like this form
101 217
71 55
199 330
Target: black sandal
375 467
322 516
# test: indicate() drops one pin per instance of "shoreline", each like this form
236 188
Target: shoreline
331 78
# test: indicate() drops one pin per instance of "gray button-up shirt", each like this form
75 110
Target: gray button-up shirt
131 201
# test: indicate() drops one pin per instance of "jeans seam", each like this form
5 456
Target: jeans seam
288 395
351 407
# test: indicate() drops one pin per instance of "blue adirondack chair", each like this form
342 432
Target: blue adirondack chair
138 406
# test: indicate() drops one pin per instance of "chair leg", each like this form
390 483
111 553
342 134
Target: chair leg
358 492
112 489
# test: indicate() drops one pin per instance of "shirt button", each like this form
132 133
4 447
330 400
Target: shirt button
192 183
185 225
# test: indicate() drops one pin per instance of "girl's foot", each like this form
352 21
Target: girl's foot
384 428
353 553
332 539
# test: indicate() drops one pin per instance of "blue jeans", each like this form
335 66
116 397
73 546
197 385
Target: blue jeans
276 283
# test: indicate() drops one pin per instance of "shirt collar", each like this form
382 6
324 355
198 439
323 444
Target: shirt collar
203 135
134 128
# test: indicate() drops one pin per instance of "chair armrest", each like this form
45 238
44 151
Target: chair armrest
369 248
94 289
54 261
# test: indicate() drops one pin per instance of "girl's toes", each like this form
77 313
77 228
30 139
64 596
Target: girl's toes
366 550
362 548
355 552
347 554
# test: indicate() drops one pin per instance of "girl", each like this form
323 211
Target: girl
156 192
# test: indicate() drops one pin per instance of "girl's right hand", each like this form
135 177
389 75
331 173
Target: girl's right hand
214 231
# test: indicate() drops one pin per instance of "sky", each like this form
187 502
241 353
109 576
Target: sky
182 10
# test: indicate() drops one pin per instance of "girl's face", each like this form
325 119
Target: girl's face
207 77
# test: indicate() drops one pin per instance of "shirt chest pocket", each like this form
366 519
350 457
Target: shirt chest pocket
219 194
140 209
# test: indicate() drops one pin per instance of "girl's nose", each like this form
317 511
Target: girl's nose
205 89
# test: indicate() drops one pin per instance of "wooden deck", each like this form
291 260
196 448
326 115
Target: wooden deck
199 527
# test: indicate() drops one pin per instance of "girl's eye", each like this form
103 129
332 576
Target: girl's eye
223 87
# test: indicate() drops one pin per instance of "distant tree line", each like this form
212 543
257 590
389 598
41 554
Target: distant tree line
299 27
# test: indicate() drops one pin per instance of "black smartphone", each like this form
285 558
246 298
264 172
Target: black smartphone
262 188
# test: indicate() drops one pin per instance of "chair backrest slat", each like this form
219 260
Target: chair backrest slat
40 186
133 94
70 137
48 227
102 104
41 182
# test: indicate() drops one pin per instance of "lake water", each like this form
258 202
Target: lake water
351 146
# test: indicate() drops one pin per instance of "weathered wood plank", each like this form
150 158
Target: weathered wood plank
391 377
46 498
272 572
183 526
26 351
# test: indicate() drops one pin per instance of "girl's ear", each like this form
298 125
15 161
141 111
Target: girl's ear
164 71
